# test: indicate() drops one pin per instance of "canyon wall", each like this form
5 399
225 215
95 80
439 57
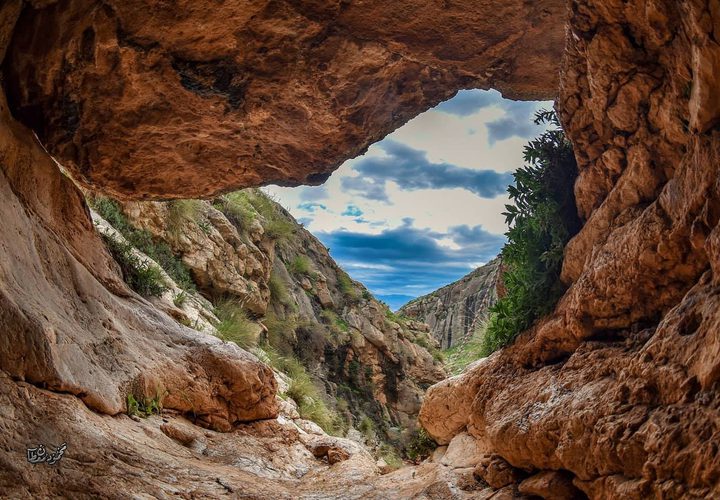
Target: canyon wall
455 311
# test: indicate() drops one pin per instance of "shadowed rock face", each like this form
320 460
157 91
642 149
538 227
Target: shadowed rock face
184 99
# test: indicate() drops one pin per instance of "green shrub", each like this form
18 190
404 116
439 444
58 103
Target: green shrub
180 212
144 406
157 250
419 445
542 219
143 277
367 427
300 266
234 325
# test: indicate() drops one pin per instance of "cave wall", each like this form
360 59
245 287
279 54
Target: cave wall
619 385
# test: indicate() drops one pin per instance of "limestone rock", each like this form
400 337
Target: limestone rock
454 311
550 485
80 330
464 451
496 472
222 259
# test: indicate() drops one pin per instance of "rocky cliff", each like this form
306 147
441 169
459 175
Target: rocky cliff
455 311
614 395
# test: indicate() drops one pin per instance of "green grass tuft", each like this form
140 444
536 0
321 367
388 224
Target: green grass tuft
143 277
180 212
278 290
234 325
300 266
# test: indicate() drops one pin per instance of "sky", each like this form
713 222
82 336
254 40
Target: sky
422 208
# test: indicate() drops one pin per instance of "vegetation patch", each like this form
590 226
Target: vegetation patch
144 406
158 251
458 357
347 287
419 445
278 290
542 220
300 266
305 393
234 324
237 208
142 276
180 212
331 318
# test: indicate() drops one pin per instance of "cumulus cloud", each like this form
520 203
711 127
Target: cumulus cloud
411 170
407 261
367 188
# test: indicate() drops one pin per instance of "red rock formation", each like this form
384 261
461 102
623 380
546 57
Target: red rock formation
145 99
619 385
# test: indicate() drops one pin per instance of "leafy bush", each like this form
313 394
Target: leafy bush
159 251
542 220
234 325
419 445
143 277
144 406
300 266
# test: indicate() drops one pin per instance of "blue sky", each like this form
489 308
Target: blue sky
422 207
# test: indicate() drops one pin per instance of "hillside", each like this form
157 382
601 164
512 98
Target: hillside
250 274
454 311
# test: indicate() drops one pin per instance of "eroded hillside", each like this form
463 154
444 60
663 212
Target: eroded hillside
250 274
